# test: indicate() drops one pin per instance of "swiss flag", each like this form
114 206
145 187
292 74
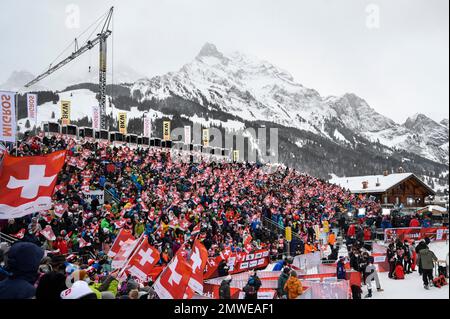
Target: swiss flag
196 229
174 223
19 234
184 224
199 258
83 243
27 183
121 238
48 233
143 260
226 253
60 208
173 281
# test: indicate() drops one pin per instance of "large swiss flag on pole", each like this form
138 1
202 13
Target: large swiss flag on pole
173 281
27 183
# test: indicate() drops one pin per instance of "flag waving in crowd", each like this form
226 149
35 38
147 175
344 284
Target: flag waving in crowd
26 183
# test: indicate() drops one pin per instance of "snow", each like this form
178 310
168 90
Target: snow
354 184
230 125
339 136
81 106
412 286
253 89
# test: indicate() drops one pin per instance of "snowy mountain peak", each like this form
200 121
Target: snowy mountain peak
17 80
253 89
444 122
419 122
209 50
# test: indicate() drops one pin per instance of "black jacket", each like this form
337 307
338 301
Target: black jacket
224 290
23 263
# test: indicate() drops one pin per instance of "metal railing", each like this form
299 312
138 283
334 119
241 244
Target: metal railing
110 197
7 238
276 228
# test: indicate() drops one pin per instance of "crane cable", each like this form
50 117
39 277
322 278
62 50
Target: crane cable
98 21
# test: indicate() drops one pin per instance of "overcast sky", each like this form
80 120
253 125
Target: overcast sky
399 65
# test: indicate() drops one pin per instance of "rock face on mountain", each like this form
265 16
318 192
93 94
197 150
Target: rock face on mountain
255 90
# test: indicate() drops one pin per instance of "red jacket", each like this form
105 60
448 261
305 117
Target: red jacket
351 231
414 223
367 234
399 272
62 246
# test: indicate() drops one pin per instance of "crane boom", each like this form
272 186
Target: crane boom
100 39
89 45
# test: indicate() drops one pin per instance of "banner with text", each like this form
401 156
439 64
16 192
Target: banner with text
65 112
187 135
8 116
205 137
123 122
96 117
147 127
238 262
89 196
32 106
166 130
416 233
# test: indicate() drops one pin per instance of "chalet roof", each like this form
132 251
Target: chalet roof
355 183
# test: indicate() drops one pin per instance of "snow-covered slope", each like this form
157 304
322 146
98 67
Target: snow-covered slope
420 135
81 106
256 90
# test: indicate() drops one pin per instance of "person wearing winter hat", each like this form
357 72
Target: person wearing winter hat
224 289
23 261
293 286
372 274
50 286
281 292
79 290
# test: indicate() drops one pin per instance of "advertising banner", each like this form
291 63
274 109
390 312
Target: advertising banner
166 130
32 106
187 135
205 137
99 194
147 127
65 112
416 233
238 262
123 122
96 117
8 116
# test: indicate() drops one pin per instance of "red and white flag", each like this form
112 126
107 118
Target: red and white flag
27 183
196 229
174 222
121 238
226 253
19 234
199 258
48 233
60 208
184 224
173 281
83 243
143 260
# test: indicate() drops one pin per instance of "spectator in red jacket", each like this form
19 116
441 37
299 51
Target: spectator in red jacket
351 230
414 222
367 234
61 244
